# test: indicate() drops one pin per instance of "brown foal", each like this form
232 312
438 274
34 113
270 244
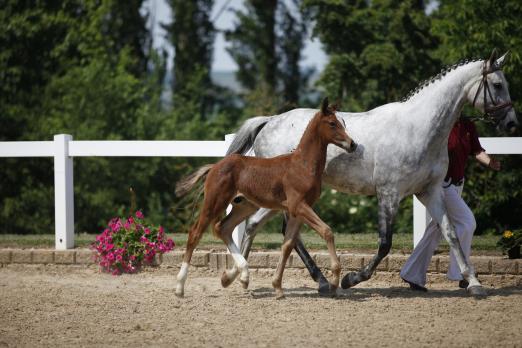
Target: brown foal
289 182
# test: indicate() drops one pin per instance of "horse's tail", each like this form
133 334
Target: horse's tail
246 135
187 183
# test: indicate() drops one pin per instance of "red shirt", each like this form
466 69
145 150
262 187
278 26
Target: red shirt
462 142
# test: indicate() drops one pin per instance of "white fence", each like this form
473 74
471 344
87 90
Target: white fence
63 149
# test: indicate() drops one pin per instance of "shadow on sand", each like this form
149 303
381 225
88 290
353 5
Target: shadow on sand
363 294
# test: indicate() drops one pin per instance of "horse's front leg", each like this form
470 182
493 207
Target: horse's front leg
253 224
435 204
388 205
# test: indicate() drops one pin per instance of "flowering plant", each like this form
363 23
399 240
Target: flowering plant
125 244
510 239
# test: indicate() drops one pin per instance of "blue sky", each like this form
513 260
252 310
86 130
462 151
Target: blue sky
313 53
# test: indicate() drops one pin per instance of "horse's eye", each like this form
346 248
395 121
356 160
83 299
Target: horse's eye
497 85
333 125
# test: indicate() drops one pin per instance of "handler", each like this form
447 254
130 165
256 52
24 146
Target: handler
462 142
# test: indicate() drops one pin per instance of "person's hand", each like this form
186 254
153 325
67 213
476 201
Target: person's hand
494 164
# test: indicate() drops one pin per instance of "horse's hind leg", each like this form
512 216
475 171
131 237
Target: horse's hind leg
218 193
241 209
291 236
253 223
193 239
388 205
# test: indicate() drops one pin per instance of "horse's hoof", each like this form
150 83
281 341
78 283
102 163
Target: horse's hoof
477 291
244 283
225 280
180 294
279 295
349 280
324 287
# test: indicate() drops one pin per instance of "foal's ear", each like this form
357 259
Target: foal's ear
324 106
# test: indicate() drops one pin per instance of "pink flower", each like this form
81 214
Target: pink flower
139 214
147 230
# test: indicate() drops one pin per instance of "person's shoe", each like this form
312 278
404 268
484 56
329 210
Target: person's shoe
463 284
416 287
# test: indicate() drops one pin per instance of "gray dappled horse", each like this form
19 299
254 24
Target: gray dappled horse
402 150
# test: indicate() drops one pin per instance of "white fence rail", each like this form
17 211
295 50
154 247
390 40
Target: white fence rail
64 149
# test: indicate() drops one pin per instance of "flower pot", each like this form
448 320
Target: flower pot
514 253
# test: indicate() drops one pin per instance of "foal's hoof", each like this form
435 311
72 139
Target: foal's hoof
180 293
244 283
279 295
349 280
225 280
477 291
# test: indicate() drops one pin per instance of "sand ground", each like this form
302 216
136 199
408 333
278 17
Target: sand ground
51 305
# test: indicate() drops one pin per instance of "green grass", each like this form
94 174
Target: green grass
264 241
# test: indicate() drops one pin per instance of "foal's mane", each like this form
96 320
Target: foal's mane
446 69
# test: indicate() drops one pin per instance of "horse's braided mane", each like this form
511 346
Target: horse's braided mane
441 74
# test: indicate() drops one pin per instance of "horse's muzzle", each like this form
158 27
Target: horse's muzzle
352 147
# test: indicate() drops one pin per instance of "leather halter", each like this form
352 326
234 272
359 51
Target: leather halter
489 112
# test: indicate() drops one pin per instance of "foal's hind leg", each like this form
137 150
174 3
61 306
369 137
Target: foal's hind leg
241 209
253 223
217 196
292 233
193 239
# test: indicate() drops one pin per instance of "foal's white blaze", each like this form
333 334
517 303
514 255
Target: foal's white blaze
182 277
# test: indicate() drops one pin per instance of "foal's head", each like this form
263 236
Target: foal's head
331 129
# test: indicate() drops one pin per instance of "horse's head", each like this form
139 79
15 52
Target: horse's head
490 94
332 129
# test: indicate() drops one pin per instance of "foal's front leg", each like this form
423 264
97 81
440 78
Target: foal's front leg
292 233
307 214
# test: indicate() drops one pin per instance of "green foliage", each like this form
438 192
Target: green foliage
378 49
267 43
87 68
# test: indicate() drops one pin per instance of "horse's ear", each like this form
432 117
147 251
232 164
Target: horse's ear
492 59
324 106
500 62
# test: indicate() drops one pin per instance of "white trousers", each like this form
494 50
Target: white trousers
415 268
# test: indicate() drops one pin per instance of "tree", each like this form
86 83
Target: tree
378 50
66 70
192 35
267 44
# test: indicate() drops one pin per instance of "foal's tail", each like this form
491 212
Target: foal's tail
246 135
187 183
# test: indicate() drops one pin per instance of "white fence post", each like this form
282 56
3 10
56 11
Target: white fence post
239 231
421 218
63 193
